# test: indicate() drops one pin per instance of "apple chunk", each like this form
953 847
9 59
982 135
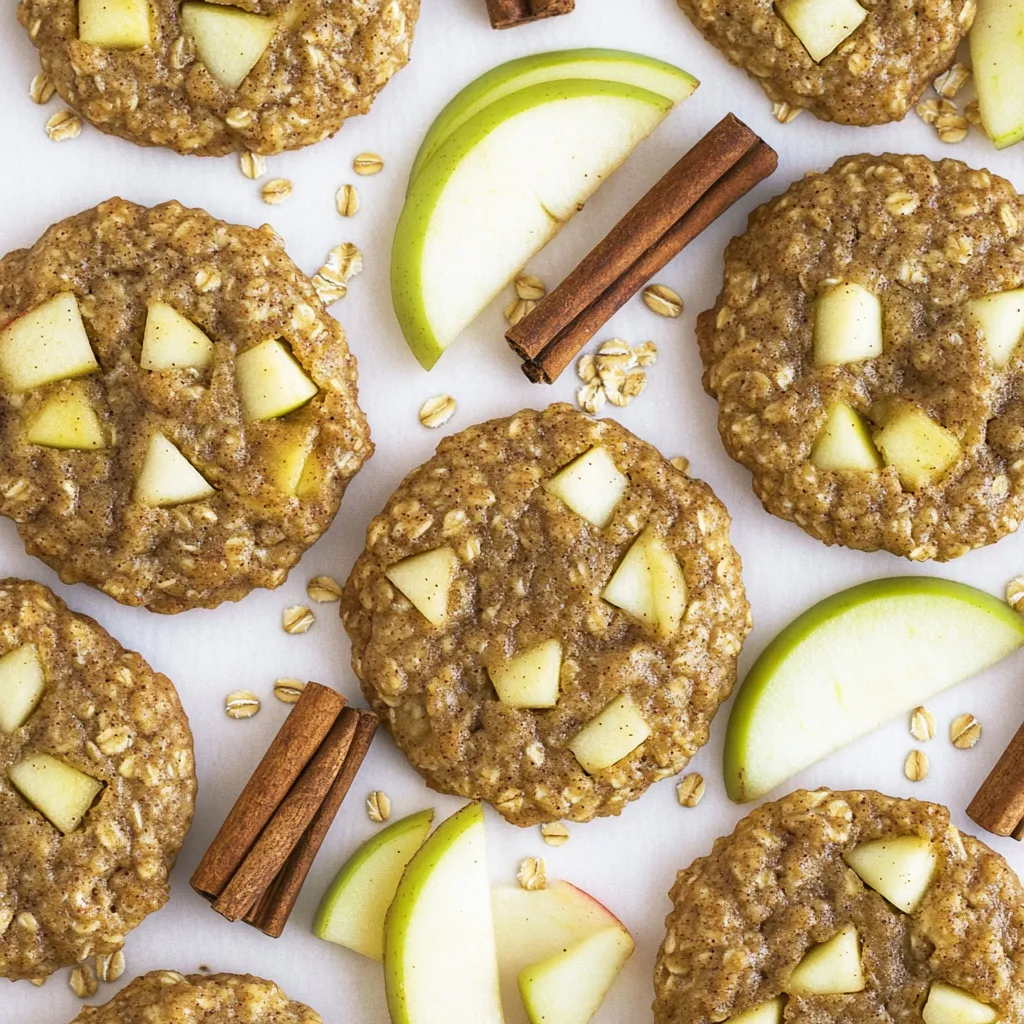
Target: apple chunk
997 56
426 580
821 25
115 24
649 584
172 342
21 686
45 344
286 454
614 734
353 909
843 444
529 679
271 382
948 1004
590 485
229 41
1000 322
59 792
67 420
763 1013
847 325
900 869
919 448
830 968
168 478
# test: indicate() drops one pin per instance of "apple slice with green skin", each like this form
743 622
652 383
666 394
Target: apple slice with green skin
45 344
948 1004
649 584
67 420
228 40
440 963
353 909
167 478
763 1013
426 580
569 987
847 325
498 189
1000 322
590 485
900 869
172 342
852 662
60 793
21 686
920 449
614 734
271 382
529 679
821 25
114 24
606 65
997 57
831 968
843 444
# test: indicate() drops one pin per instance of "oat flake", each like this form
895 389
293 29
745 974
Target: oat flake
916 766
297 619
65 124
532 874
661 299
554 833
241 704
367 164
437 411
276 191
346 200
323 589
530 287
378 806
964 732
41 88
922 724
288 690
252 165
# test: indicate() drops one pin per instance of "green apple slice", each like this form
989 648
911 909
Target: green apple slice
115 24
997 56
168 478
1000 322
900 869
591 485
843 444
852 662
614 734
831 968
21 686
353 909
821 25
172 342
60 793
426 580
920 449
498 189
440 963
948 1004
529 679
569 987
271 382
607 65
45 344
763 1013
847 326
67 420
229 41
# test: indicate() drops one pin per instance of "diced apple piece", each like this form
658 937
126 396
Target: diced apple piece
115 24
821 25
614 734
997 56
764 1013
45 344
843 444
229 41
271 382
1000 322
21 686
313 477
590 485
529 679
830 968
67 420
168 478
847 324
899 869
919 448
649 584
426 580
667 584
569 987
950 1005
286 455
172 342
59 792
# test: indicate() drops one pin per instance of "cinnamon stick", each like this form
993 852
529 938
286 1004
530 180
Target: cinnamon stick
998 807
726 164
510 13
270 914
303 731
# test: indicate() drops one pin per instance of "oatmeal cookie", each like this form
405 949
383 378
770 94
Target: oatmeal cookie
864 355
178 412
489 622
166 997
799 872
97 785
294 74
883 59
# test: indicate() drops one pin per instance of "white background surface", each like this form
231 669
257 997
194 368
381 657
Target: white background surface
628 862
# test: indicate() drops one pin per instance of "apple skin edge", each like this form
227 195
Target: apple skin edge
763 669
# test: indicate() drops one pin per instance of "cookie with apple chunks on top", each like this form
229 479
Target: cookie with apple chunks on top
547 616
844 907
178 411
865 355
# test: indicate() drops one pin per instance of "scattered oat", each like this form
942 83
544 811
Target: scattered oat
591 398
367 163
916 766
297 619
241 704
252 165
785 113
931 109
437 411
110 967
530 287
973 114
952 128
646 353
1015 593
634 384
964 732
65 124
41 89
554 833
288 690
681 463
616 347
276 191
347 200
532 874
690 790
378 806
83 981
329 291
586 368
950 82
345 260
922 724
661 299
323 589
38 982
517 309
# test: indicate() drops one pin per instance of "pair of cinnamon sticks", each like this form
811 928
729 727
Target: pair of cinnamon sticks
510 13
259 860
722 168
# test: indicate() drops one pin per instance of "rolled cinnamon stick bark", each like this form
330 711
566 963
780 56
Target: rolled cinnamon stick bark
998 807
509 13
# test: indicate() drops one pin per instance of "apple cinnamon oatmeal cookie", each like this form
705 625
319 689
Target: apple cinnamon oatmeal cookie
547 616
97 785
858 62
847 908
864 353
166 997
207 78
178 413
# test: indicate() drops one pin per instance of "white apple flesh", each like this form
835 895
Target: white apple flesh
167 478
271 382
764 1013
831 968
114 24
821 25
21 686
426 580
59 792
649 584
172 342
529 679
920 449
900 869
229 41
847 326
614 734
997 57
947 1004
843 444
590 485
68 421
1000 322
